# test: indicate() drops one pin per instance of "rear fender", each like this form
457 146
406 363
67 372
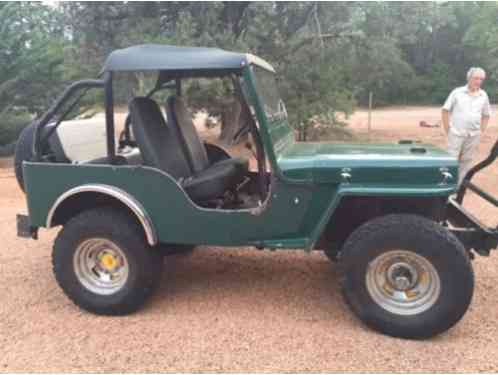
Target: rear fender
111 191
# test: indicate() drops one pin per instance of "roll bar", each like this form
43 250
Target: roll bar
105 83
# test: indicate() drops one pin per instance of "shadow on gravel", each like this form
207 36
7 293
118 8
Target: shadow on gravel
284 281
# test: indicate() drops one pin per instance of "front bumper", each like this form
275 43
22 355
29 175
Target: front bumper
470 230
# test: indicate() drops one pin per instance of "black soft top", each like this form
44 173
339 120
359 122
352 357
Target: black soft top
206 61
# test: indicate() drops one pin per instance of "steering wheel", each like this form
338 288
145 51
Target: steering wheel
125 138
243 130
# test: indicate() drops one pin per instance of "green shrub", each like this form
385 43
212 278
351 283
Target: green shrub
11 125
7 150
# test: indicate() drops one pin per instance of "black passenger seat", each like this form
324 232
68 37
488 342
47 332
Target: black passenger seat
162 146
180 118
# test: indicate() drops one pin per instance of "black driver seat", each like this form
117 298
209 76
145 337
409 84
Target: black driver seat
180 118
162 147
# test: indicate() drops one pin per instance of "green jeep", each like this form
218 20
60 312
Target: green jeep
385 213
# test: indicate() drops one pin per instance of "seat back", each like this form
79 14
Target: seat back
159 144
179 117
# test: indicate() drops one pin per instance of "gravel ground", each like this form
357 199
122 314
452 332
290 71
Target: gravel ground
232 310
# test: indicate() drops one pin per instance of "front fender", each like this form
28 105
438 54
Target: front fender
347 190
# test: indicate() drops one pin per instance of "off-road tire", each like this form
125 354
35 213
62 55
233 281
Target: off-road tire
425 238
144 262
23 152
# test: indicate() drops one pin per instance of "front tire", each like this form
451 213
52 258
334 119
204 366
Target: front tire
103 263
406 276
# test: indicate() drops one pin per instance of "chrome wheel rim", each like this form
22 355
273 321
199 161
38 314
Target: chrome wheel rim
403 282
100 266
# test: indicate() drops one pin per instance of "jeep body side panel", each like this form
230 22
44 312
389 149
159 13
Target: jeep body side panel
293 216
285 220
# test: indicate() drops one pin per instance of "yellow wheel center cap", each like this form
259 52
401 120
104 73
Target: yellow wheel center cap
109 261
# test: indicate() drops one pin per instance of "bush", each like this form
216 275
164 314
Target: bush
8 150
11 125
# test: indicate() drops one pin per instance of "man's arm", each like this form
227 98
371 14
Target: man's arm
447 107
446 120
484 123
486 113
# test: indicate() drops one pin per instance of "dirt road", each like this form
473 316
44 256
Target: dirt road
233 310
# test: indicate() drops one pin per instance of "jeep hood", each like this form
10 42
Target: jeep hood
373 164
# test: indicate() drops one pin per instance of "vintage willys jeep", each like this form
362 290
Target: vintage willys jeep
382 212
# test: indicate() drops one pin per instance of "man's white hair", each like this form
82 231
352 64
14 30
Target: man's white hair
475 70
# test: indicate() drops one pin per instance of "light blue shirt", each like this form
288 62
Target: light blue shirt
466 110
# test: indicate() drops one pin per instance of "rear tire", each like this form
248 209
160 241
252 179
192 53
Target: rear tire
406 276
103 263
24 151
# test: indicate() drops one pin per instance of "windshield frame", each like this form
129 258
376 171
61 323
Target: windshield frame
270 98
275 132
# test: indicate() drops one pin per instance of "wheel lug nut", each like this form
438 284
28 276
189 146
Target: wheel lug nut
401 283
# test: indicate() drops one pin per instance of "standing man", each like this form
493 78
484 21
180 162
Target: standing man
465 115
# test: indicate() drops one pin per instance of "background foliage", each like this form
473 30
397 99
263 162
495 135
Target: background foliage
329 55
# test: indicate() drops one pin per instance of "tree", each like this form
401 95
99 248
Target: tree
328 56
30 63
305 42
483 36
